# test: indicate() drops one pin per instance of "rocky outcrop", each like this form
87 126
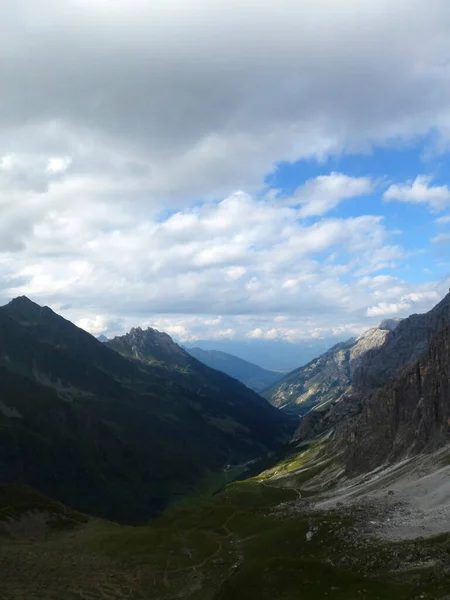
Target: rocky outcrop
409 415
328 378
150 345
407 343
374 365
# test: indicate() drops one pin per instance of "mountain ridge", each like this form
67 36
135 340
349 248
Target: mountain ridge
377 367
253 376
327 378
108 434
409 415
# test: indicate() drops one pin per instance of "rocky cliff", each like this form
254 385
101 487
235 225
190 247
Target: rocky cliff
328 378
407 343
407 416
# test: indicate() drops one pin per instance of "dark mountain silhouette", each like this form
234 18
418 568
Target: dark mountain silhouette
116 436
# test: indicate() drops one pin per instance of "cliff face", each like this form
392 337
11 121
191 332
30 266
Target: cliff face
150 345
409 415
374 362
407 343
328 378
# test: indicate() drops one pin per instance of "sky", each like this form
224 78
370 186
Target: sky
251 170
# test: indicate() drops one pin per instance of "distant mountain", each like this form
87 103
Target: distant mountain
272 355
254 377
102 338
111 435
377 368
329 377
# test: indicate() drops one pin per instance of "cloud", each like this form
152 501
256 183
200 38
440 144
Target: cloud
443 220
441 238
95 325
127 129
420 191
404 306
227 257
201 98
321 195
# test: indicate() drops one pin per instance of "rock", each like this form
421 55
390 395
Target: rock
327 378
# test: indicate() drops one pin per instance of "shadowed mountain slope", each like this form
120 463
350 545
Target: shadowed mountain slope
115 436
253 376
407 416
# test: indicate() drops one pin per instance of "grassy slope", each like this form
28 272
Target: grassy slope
243 543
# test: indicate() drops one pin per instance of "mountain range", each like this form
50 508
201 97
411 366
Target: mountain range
327 378
354 504
123 428
253 376
271 355
377 366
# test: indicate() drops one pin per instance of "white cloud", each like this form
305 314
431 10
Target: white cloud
58 164
201 98
443 220
321 195
118 180
256 334
404 306
95 325
441 238
420 191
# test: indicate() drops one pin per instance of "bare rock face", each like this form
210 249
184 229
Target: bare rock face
328 378
375 360
411 414
150 345
406 344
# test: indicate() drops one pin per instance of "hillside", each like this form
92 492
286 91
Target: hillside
109 435
407 416
377 367
265 537
253 376
327 378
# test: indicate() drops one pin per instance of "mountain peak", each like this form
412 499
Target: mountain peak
150 345
24 310
23 301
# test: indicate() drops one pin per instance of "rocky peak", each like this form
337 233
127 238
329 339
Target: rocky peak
329 377
24 310
150 345
380 355
405 344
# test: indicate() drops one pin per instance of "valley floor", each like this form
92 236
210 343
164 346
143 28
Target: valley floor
298 530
